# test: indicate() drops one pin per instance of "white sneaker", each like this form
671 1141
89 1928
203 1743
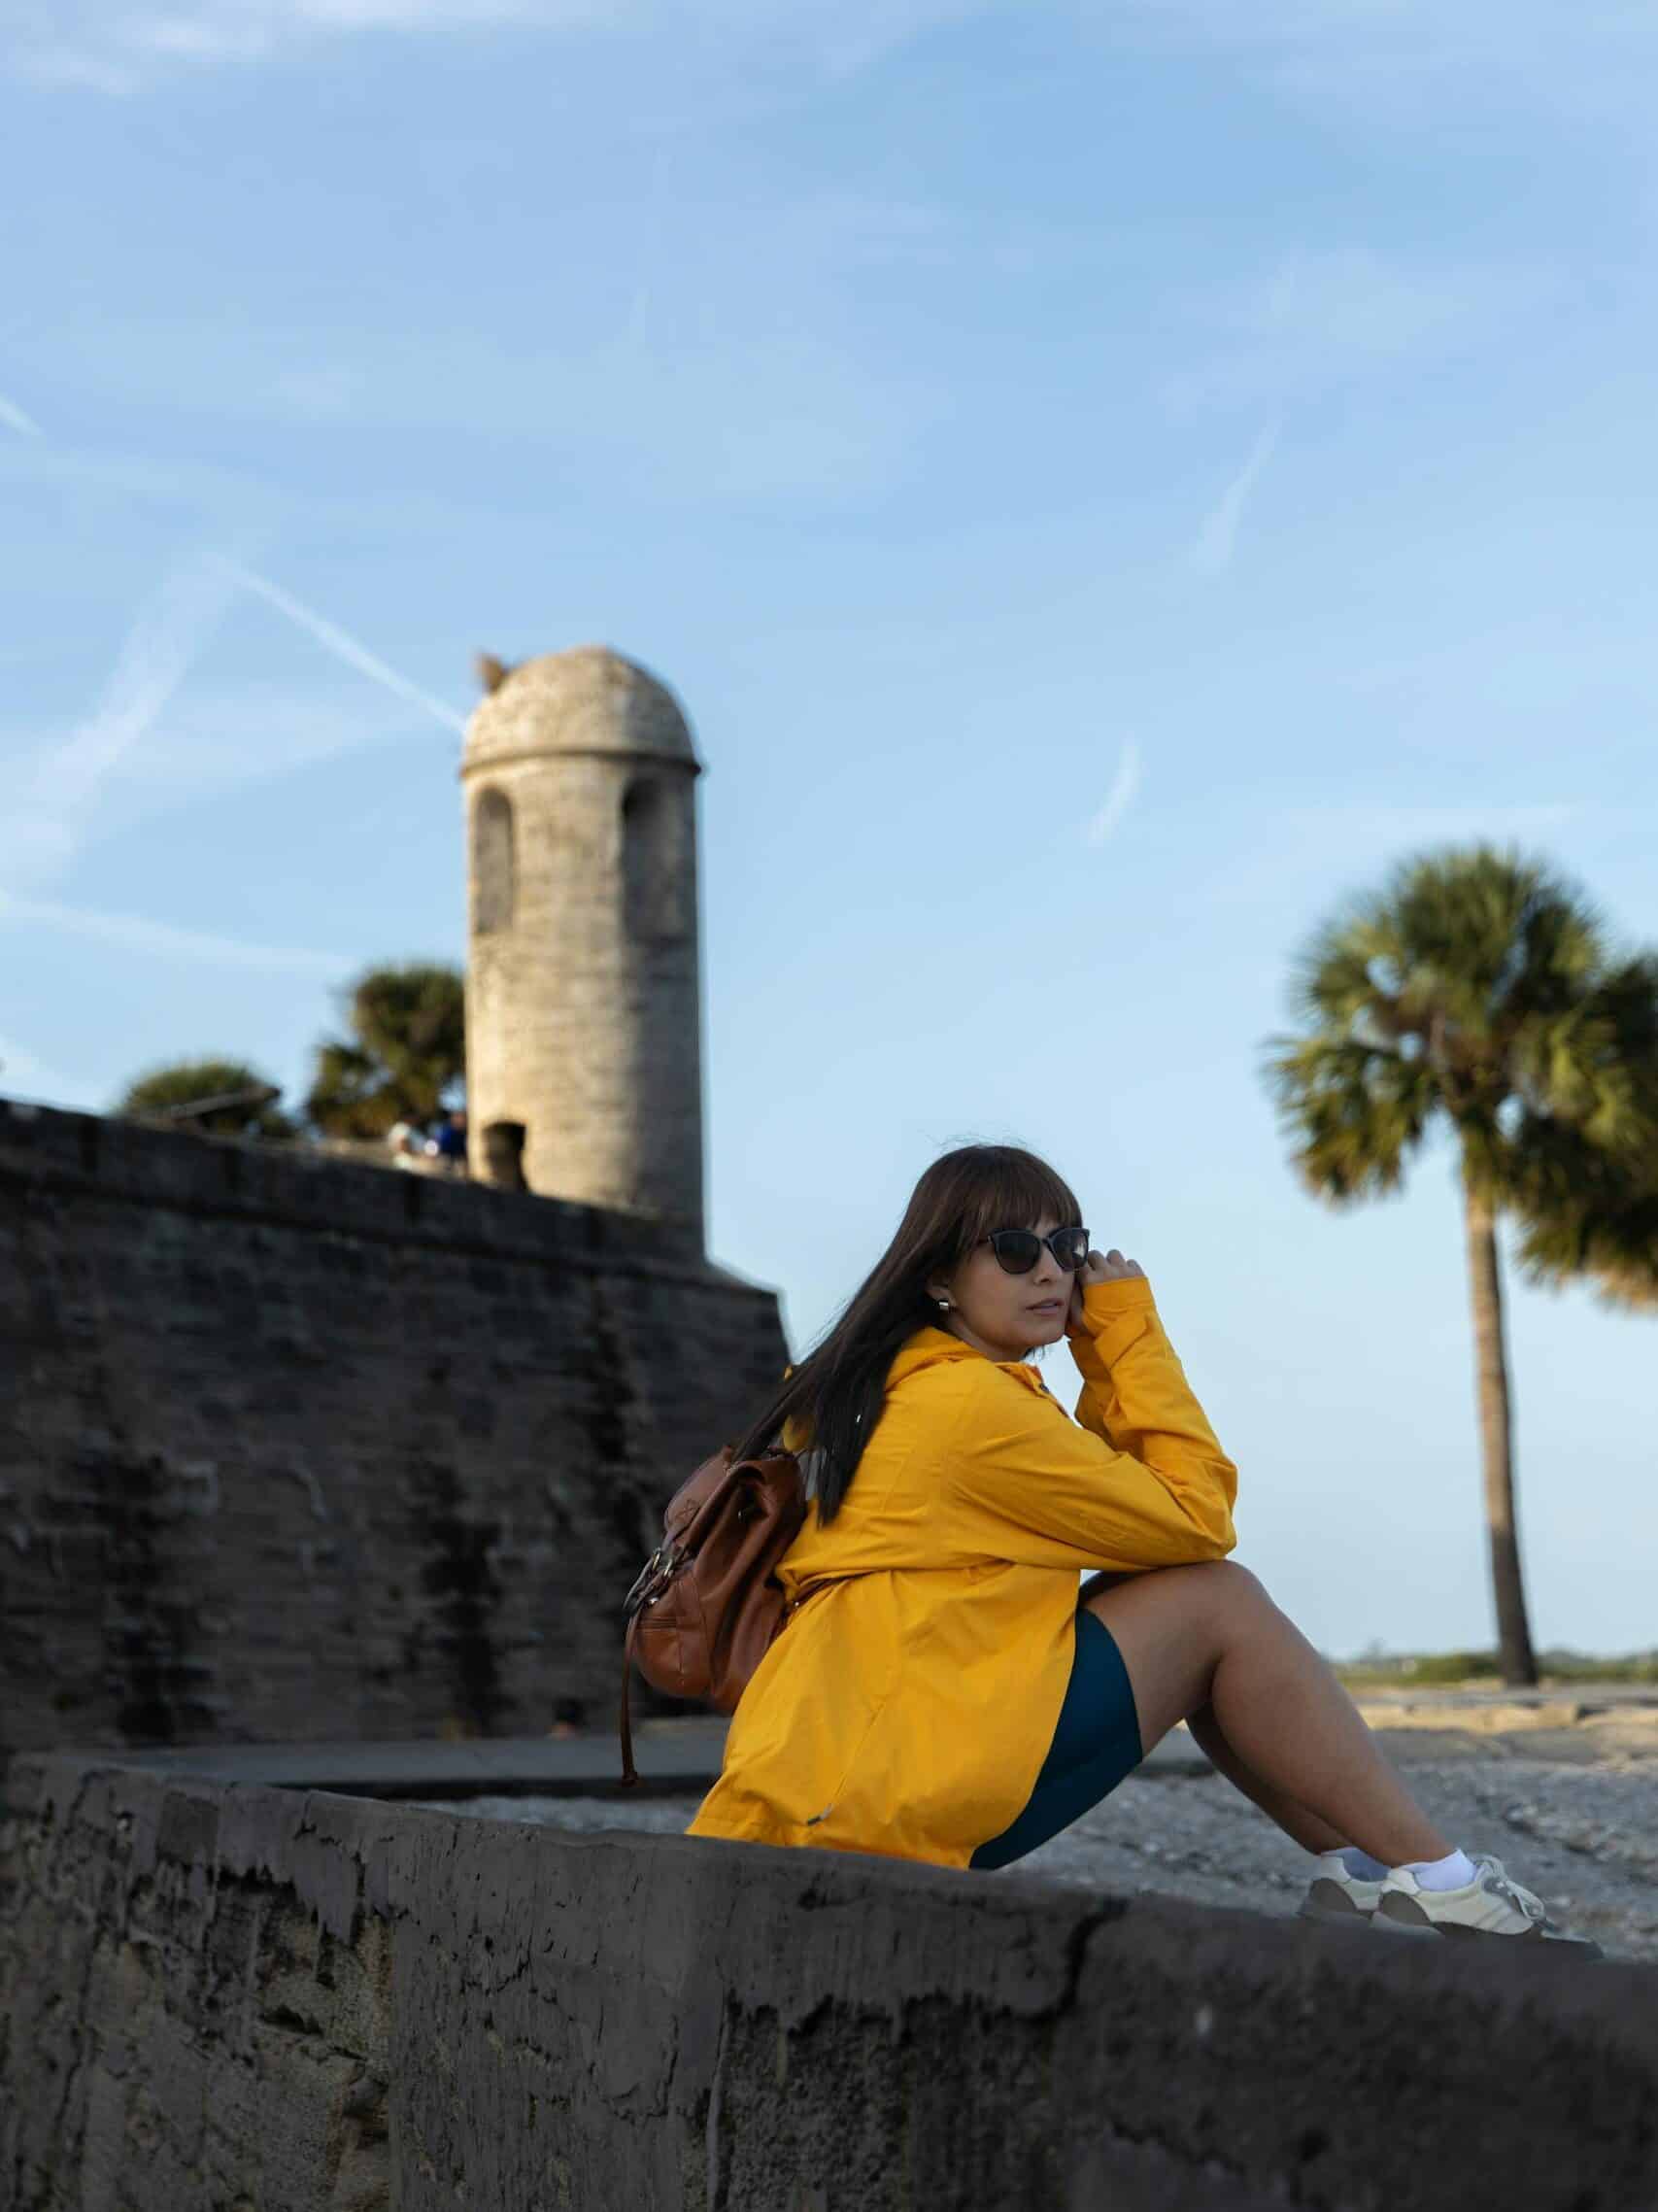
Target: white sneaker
1337 1895
1491 1904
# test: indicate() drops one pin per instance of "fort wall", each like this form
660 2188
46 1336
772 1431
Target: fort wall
292 1448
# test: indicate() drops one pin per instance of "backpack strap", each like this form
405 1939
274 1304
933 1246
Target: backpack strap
629 1771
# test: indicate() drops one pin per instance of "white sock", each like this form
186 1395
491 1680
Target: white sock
1360 1864
1453 1872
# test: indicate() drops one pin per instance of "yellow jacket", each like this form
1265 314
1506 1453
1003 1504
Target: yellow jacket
908 1703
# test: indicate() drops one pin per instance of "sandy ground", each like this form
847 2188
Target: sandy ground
1572 1812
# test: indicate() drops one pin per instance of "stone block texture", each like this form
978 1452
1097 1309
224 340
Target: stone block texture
219 1995
291 1449
584 993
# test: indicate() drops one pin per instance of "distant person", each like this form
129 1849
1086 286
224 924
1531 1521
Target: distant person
940 1688
450 1143
406 1145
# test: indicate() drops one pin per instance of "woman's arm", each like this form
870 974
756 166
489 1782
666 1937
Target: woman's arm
1143 1483
1117 1318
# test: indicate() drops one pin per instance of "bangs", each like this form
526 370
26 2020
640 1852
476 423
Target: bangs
1013 1189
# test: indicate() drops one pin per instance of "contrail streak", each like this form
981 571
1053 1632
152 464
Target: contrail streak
326 634
15 419
1213 550
346 647
154 658
1124 784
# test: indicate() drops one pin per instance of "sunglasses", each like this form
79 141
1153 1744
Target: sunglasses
1019 1249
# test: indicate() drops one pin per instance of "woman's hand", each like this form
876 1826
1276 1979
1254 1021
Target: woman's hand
1100 1267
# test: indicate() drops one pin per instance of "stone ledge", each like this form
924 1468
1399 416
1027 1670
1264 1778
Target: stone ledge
227 1992
675 1756
67 1156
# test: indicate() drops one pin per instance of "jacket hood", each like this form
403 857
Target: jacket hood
926 1347
934 1348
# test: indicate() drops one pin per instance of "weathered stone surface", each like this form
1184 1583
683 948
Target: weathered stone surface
290 1448
227 1995
583 1006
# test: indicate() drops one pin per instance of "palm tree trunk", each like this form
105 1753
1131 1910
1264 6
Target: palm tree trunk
1497 1445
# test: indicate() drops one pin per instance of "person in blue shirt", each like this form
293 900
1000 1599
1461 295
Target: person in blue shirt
449 1143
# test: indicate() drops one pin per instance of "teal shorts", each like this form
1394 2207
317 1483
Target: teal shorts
1097 1743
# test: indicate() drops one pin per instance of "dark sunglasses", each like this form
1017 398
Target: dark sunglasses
1019 1249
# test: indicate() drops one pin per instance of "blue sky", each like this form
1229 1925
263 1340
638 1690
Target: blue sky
1105 481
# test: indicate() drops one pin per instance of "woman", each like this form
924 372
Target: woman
941 1689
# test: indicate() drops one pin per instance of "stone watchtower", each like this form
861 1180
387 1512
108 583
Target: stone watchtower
583 985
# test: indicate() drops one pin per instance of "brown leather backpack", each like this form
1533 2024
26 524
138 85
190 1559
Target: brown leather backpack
707 1605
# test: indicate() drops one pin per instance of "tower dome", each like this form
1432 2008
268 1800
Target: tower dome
589 699
584 992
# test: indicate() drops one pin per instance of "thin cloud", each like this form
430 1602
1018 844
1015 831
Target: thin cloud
1124 784
1361 821
133 933
647 397
1217 539
43 834
216 739
1321 848
1317 322
346 648
196 489
14 418
1411 60
165 638
122 49
277 730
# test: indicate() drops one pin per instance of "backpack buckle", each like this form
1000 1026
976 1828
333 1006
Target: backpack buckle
657 1573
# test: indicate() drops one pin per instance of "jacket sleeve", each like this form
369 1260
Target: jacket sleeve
1143 1483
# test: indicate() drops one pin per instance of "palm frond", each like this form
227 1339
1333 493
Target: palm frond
1351 1112
1585 1212
1475 987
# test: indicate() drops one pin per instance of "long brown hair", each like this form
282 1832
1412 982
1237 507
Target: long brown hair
837 1391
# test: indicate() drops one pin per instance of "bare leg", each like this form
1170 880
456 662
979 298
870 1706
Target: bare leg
1295 1821
1209 1636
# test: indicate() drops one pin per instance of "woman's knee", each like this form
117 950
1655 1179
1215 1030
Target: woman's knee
1213 1590
1241 1587
1236 1596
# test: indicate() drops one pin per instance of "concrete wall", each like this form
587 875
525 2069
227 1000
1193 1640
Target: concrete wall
290 1448
220 1998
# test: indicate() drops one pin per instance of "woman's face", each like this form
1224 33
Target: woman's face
1005 1316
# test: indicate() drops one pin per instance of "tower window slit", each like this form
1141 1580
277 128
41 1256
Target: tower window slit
656 883
492 862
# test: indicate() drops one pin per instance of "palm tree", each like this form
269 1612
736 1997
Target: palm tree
1475 992
230 1098
405 1058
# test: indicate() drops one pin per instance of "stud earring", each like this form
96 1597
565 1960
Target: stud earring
944 1306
